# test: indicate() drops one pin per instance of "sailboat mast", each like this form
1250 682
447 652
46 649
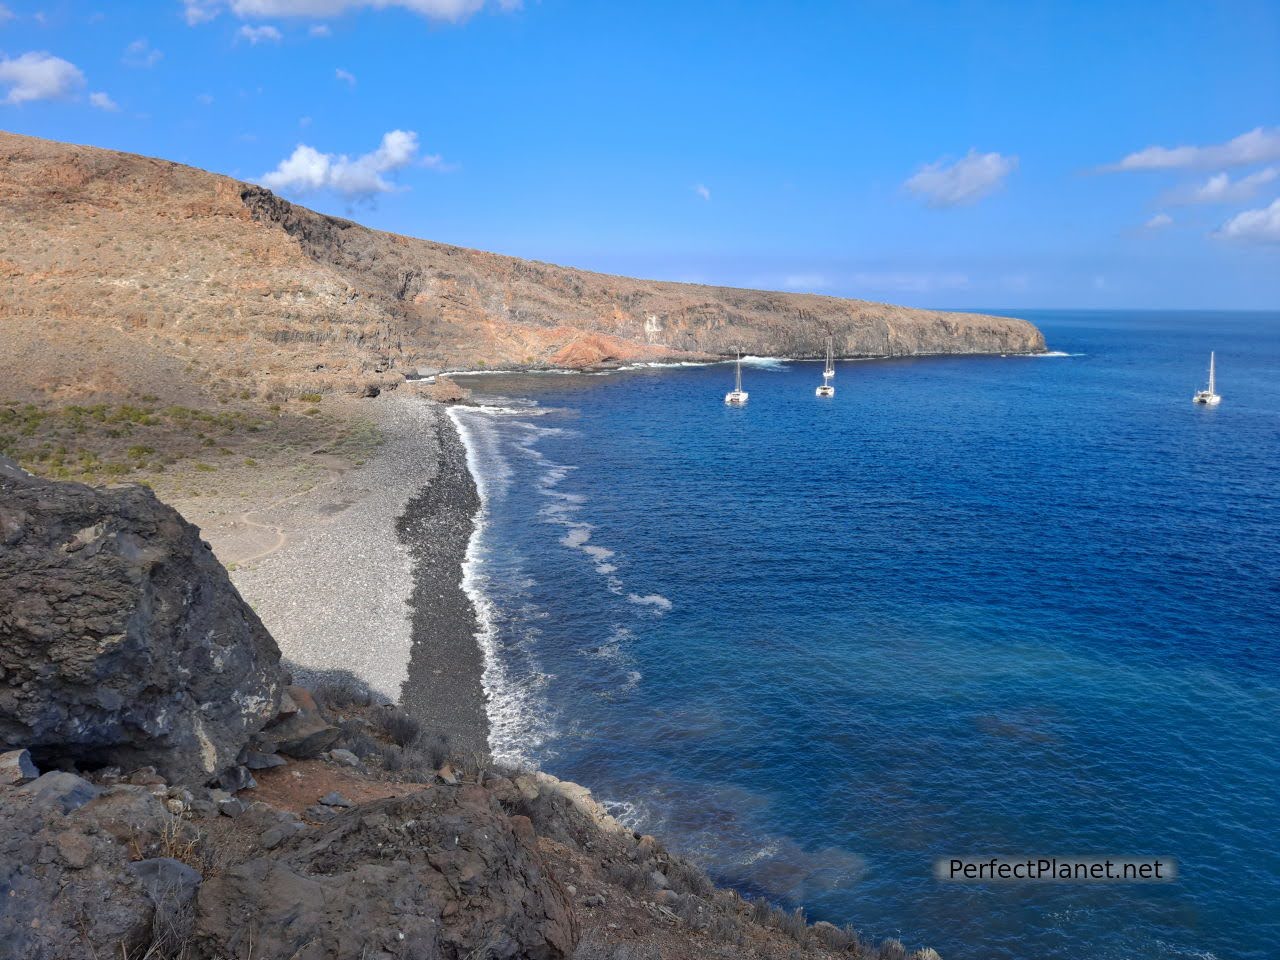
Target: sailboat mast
1211 385
737 381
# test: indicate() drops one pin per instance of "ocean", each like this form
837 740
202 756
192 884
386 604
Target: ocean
971 606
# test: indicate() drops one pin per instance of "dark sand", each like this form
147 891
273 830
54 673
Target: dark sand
446 664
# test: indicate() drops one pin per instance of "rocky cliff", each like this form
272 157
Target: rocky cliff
116 268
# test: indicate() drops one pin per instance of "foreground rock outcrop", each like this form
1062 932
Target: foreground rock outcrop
122 640
439 873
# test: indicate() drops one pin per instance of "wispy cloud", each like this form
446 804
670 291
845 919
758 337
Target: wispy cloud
345 76
263 34
805 281
5 13
965 181
447 11
103 102
39 76
1159 222
140 53
1259 145
910 281
1254 226
319 30
702 190
1220 188
307 169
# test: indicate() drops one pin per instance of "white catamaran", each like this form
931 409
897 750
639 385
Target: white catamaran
737 396
829 371
1208 396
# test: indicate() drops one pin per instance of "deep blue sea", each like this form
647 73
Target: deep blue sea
970 606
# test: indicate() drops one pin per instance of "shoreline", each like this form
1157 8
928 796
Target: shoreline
389 543
444 686
758 359
366 590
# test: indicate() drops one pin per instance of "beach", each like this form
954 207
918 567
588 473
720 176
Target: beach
361 578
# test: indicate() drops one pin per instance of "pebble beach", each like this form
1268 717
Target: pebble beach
367 586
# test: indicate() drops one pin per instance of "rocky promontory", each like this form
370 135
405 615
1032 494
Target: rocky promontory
117 269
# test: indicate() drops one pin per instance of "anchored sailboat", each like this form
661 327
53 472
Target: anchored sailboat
829 371
1208 396
737 396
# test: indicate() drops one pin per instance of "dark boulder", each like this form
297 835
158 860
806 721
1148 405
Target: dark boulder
60 790
122 640
300 731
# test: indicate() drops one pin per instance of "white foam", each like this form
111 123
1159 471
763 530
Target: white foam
1048 353
657 601
630 815
768 363
497 411
518 722
578 535
764 853
661 365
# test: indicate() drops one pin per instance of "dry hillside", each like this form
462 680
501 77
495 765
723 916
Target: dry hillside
119 270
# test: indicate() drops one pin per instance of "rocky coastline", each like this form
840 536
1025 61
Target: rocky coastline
319 822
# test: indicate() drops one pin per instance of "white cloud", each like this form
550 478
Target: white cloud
448 11
200 11
702 190
103 102
140 53
1220 188
968 180
1158 221
1259 145
345 76
263 34
320 30
39 76
1254 226
5 13
308 169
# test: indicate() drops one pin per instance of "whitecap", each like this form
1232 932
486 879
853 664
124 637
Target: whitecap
578 535
767 363
657 601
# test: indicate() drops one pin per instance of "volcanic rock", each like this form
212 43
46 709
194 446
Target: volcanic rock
122 641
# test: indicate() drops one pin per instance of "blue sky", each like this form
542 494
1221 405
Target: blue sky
1001 155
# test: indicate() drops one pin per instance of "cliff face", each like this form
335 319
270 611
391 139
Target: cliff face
119 268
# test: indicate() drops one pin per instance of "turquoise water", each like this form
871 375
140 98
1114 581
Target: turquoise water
970 606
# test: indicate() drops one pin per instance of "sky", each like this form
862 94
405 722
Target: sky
950 154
